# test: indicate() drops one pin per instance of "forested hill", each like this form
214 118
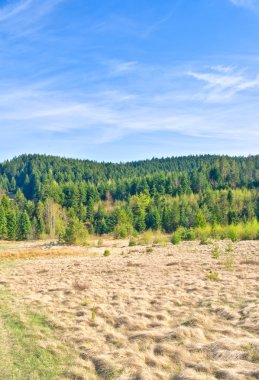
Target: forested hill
26 171
165 194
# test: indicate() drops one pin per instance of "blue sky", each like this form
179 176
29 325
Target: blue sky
124 80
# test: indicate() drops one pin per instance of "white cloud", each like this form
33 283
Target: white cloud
121 67
107 116
221 85
218 103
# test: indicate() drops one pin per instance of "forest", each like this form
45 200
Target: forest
190 197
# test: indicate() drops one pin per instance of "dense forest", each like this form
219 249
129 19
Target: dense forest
46 196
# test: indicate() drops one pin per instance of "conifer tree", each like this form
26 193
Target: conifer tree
24 226
11 225
3 223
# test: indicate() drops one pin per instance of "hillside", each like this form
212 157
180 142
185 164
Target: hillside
47 196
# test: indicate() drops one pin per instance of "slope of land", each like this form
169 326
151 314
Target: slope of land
168 312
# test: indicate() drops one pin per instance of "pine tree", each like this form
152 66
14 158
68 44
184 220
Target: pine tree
11 225
200 220
24 226
76 232
3 223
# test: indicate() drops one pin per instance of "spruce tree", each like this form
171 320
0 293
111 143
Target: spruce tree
3 223
11 225
24 226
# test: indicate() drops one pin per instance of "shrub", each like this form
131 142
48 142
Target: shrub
205 241
106 253
132 242
149 249
160 238
189 235
229 262
229 248
146 238
250 230
213 276
232 233
216 252
100 243
122 231
176 238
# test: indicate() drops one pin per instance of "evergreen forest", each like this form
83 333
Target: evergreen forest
67 199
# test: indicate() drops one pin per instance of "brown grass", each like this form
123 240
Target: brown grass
156 316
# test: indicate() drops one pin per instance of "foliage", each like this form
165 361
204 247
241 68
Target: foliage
106 253
176 238
216 252
132 242
199 197
213 276
75 232
229 262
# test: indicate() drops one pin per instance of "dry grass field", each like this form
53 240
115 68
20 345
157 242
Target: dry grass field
168 312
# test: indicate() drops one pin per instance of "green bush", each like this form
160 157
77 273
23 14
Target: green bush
232 233
229 262
189 235
132 242
176 238
160 238
216 252
146 238
229 248
213 276
106 253
122 231
205 241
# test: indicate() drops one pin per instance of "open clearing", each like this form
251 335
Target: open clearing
168 312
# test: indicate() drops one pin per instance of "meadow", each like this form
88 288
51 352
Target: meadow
139 309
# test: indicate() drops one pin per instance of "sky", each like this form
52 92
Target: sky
113 80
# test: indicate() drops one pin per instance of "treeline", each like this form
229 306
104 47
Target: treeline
57 197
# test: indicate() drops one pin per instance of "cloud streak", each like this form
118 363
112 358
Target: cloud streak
250 4
113 115
23 17
223 83
11 11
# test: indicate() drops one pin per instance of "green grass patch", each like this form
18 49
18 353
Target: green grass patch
23 354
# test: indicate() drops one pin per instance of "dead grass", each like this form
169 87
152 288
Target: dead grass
140 315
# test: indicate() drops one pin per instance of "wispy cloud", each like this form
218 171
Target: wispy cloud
223 83
103 117
12 10
121 67
21 17
250 4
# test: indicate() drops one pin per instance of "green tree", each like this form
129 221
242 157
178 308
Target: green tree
3 223
11 225
200 220
75 232
24 226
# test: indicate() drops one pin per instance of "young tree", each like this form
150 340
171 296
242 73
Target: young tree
24 226
76 232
